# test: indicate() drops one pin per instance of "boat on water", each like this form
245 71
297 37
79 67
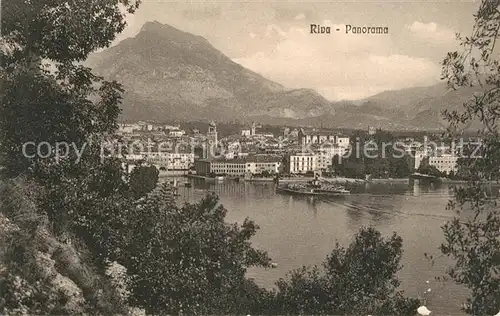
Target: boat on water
314 187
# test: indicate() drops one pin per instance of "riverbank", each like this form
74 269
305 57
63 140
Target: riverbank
260 180
343 180
172 173
397 180
449 181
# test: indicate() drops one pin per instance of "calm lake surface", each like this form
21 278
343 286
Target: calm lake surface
299 231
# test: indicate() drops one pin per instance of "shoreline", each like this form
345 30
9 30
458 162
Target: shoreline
338 180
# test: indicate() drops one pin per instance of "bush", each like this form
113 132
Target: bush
358 280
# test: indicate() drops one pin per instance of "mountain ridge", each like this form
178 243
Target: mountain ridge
175 69
171 74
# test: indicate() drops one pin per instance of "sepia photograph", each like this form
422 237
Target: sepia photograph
237 157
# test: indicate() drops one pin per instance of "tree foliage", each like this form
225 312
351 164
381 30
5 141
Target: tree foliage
188 259
143 179
47 97
473 241
377 155
357 280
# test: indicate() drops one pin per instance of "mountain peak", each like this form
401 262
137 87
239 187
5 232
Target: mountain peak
167 31
155 26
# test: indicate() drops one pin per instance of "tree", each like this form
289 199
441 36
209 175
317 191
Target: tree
187 259
429 170
55 105
143 179
357 280
61 103
473 242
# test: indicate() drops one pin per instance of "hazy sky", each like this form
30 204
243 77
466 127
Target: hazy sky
272 38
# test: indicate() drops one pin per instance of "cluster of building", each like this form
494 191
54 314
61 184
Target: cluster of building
293 152
249 152
141 127
297 151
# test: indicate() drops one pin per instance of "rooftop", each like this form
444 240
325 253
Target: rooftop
240 160
321 132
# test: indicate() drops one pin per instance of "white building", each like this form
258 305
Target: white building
325 156
239 166
170 160
445 163
246 132
231 167
128 128
263 163
176 132
342 141
322 137
134 156
300 163
146 127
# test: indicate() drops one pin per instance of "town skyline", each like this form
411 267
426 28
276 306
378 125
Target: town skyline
274 40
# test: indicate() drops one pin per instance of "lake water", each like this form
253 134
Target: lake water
299 231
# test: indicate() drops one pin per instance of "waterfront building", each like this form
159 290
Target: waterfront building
325 156
445 163
300 163
239 166
202 167
170 160
230 167
443 158
263 163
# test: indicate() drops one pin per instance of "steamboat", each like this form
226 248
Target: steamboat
316 187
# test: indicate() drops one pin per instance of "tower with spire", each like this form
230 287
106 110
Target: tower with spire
253 129
212 140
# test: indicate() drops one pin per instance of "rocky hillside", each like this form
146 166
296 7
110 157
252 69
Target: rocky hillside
170 74
41 274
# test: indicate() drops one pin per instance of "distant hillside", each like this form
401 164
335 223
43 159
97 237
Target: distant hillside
419 107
